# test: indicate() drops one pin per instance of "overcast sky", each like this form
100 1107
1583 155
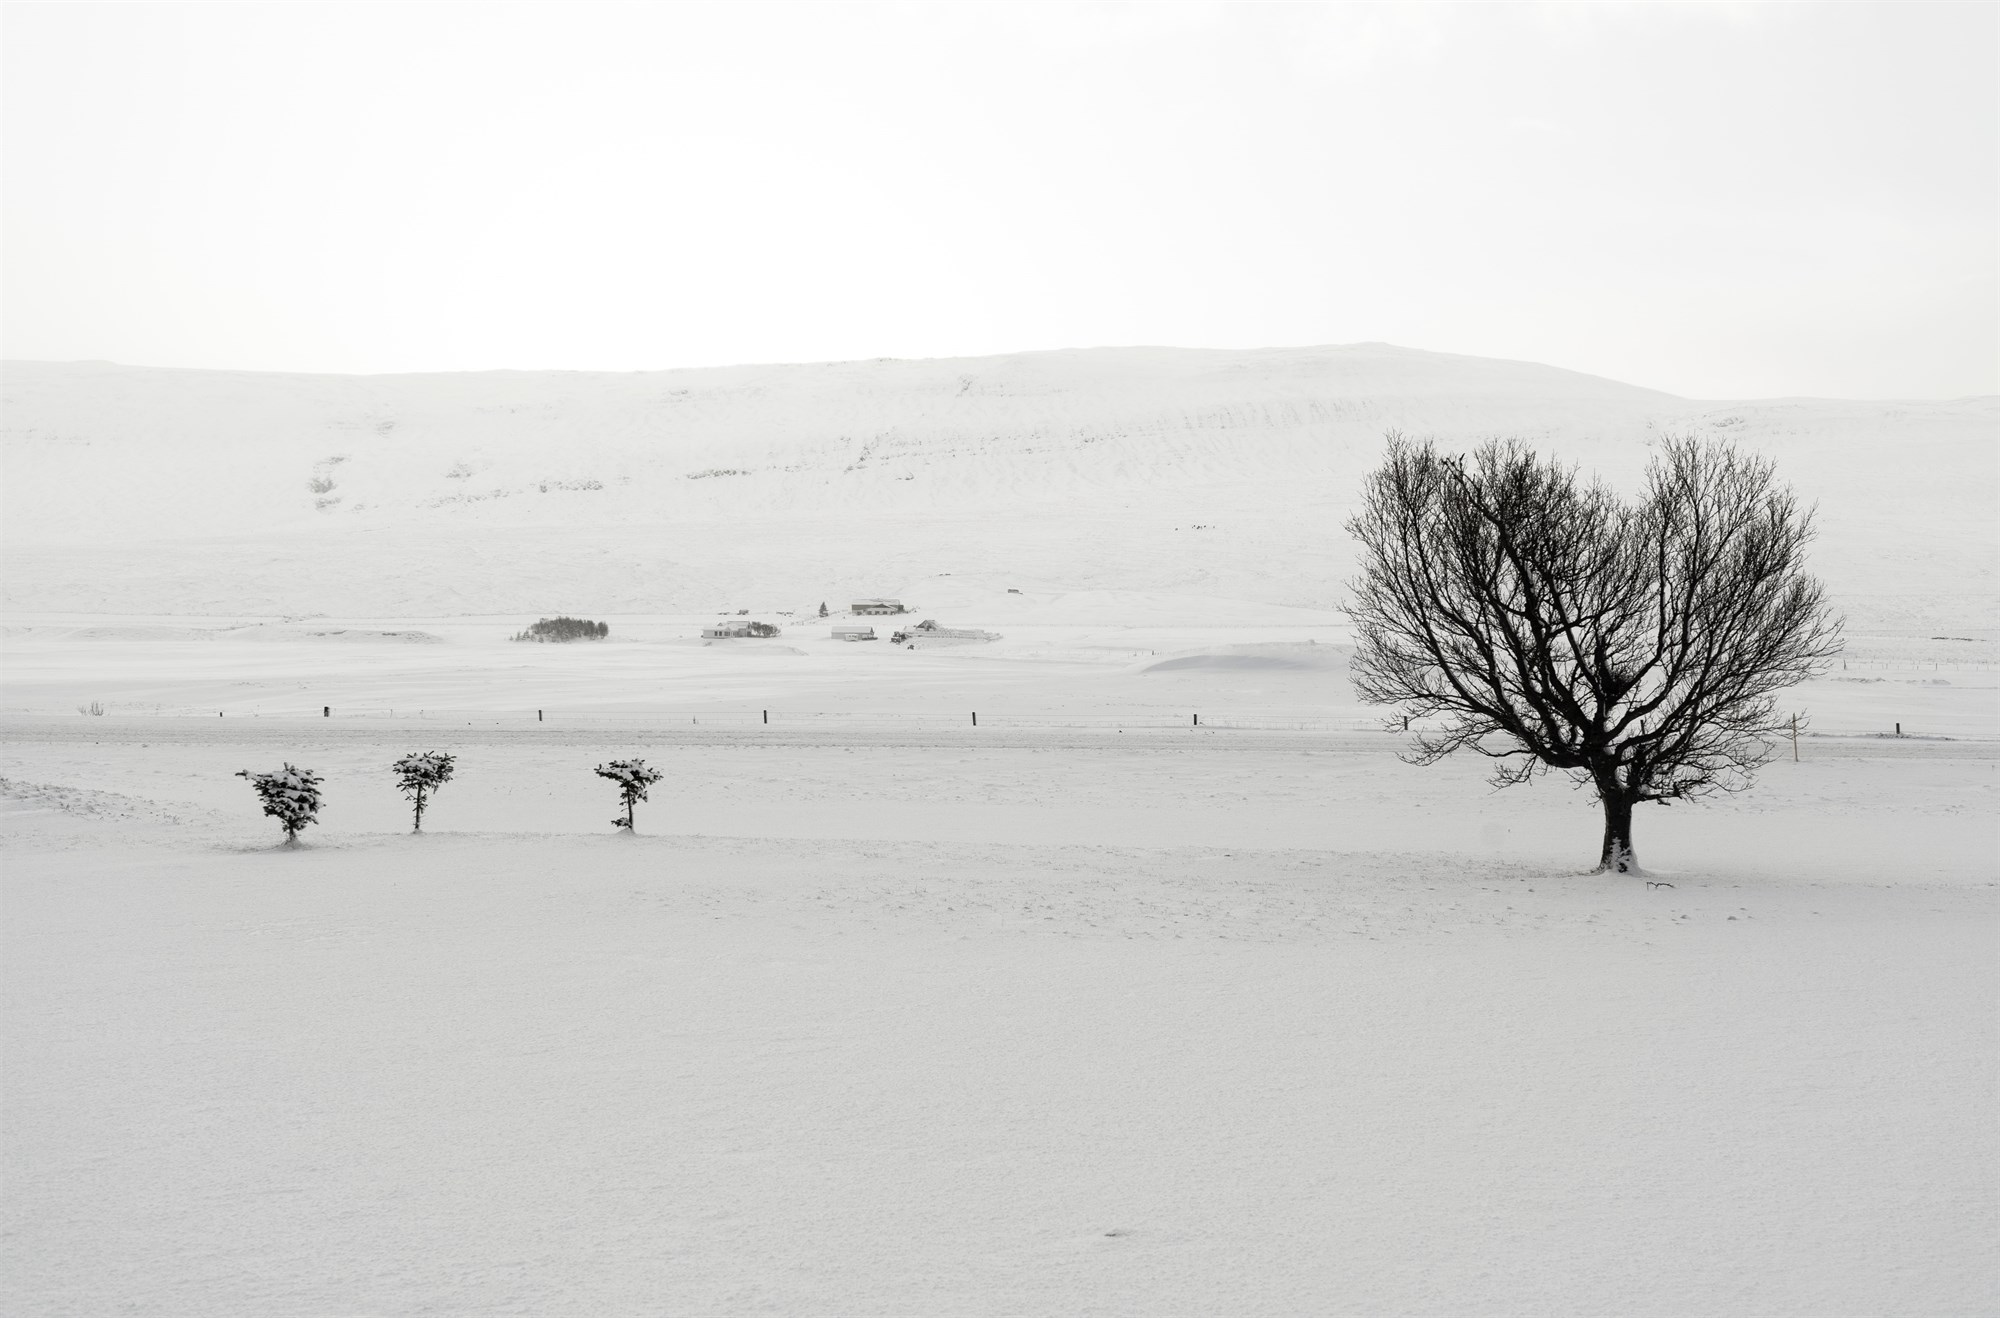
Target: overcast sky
1721 201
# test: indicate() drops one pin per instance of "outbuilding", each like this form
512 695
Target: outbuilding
853 631
730 628
876 607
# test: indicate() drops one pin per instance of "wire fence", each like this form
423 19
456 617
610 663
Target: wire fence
1912 666
830 720
861 726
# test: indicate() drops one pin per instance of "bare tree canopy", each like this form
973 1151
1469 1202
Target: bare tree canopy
1548 624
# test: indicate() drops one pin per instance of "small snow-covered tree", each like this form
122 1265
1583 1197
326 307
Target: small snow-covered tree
822 608
633 778
290 796
419 776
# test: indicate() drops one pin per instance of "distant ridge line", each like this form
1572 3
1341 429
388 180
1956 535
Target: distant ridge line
1277 351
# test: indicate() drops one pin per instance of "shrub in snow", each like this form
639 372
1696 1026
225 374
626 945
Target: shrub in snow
633 778
565 629
290 796
420 775
762 629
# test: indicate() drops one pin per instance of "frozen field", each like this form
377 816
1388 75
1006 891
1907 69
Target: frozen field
1083 1011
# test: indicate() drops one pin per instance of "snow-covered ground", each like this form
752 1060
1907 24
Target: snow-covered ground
1220 474
1085 1009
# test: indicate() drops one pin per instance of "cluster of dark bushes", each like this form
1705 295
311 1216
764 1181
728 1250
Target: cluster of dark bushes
566 629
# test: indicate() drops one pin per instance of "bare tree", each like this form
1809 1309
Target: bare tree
1547 624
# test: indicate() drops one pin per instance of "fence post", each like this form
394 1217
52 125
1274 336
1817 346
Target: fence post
1197 720
1795 739
975 718
767 716
538 716
326 711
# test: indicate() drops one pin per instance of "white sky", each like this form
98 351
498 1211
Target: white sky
1721 201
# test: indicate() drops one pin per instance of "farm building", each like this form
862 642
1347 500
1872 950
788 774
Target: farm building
876 606
927 633
853 631
731 628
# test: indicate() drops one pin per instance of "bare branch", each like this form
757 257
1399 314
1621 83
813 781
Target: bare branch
1638 648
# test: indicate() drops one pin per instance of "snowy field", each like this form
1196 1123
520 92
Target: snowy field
1092 1008
1085 1010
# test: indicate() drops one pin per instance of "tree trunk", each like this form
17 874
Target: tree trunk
420 811
1617 856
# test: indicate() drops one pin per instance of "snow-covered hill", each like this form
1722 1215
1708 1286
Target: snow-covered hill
1208 473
